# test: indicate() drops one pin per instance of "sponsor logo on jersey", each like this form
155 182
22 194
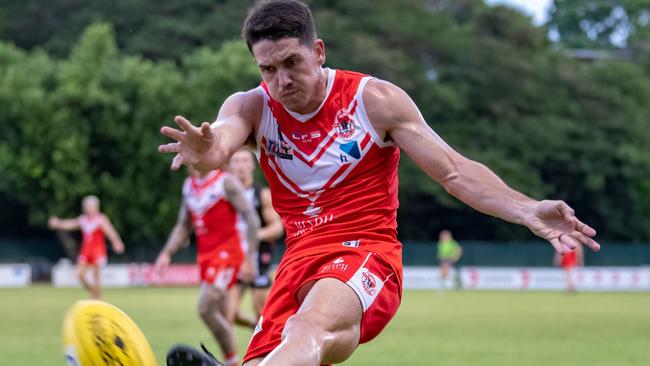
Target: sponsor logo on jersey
344 123
280 149
304 226
338 265
351 148
305 136
351 243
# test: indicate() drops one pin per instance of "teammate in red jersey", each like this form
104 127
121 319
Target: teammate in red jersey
569 261
328 142
211 204
242 165
92 256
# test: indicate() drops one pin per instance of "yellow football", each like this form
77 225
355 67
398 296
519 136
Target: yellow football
97 333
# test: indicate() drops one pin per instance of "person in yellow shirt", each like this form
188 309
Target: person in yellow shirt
449 252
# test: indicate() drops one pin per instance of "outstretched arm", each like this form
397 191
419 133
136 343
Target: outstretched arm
208 147
113 235
273 229
394 115
56 223
177 238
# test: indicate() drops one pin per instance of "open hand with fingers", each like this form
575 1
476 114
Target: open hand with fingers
556 222
197 147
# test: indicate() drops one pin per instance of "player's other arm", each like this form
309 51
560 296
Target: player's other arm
112 234
56 223
237 198
394 115
273 229
179 235
209 146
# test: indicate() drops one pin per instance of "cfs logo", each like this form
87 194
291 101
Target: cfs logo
306 137
344 123
280 149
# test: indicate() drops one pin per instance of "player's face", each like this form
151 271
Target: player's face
91 207
242 165
292 71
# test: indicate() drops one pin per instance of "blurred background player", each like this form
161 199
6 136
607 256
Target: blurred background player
569 261
211 203
242 164
449 252
92 255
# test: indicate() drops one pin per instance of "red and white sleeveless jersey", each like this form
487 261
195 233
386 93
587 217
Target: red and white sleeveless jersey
333 180
92 233
214 219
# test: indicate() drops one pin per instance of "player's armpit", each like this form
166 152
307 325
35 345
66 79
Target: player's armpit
395 117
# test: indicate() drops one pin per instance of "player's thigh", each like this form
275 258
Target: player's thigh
331 312
210 298
259 298
253 362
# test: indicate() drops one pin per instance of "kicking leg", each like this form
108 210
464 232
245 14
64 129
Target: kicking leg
326 328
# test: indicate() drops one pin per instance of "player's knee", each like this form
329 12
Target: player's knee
204 309
307 326
328 342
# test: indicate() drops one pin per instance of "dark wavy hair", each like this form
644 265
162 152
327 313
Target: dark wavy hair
275 19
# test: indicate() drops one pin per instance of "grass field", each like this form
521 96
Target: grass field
450 329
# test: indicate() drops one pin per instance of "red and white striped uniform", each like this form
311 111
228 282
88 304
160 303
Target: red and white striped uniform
93 244
214 219
334 183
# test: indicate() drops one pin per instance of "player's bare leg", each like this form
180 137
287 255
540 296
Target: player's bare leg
81 275
95 292
570 286
326 329
213 307
444 273
235 314
259 298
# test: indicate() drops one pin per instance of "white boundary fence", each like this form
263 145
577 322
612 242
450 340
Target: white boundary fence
15 275
415 278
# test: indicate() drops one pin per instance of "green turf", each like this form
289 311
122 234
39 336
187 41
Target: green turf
450 329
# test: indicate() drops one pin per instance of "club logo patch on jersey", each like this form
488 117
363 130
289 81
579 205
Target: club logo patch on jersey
369 283
344 123
280 149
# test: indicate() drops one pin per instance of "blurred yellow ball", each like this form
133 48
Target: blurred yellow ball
97 333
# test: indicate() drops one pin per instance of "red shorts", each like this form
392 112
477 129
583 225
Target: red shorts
221 275
94 256
369 275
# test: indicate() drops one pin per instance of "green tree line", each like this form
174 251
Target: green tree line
84 94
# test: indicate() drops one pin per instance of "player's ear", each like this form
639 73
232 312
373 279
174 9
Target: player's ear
319 51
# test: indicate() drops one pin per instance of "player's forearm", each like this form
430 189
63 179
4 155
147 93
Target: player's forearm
271 232
67 225
480 188
252 232
177 238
